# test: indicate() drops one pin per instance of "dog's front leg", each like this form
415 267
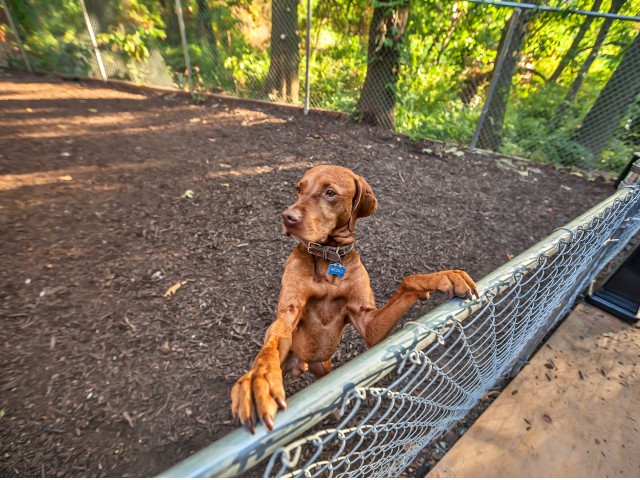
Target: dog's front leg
375 324
260 391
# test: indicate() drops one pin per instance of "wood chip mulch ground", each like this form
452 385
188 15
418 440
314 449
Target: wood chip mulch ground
110 196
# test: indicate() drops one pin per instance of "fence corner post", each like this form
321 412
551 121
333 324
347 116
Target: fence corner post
185 46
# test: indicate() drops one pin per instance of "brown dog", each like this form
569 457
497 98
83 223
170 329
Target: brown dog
324 288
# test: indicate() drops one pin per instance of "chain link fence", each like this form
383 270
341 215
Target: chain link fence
557 82
371 417
554 86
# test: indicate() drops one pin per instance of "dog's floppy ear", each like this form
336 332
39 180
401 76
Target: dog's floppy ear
364 202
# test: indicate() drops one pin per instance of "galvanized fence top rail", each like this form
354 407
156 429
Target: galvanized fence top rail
397 397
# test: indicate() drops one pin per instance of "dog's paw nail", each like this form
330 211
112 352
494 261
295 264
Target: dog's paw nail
268 422
249 425
281 403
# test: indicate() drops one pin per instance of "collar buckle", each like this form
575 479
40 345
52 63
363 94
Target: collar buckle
313 245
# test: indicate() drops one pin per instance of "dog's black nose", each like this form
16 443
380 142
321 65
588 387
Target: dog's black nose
290 218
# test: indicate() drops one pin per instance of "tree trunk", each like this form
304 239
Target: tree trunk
573 49
203 24
614 100
283 82
491 132
584 68
377 103
168 14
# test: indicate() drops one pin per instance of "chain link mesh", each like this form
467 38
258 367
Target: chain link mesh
424 69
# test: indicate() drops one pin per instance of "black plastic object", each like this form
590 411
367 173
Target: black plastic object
620 295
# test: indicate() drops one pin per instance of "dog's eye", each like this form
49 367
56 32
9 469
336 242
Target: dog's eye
330 193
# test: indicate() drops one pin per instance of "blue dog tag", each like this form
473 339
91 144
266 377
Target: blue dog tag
337 269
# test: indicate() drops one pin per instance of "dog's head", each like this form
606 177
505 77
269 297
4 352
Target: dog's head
328 203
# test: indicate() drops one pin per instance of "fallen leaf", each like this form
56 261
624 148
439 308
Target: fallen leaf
92 110
66 178
188 194
29 109
128 418
175 287
490 394
195 120
225 165
225 184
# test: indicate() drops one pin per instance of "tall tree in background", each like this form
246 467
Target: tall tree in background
377 101
616 5
492 129
613 102
573 49
283 82
167 9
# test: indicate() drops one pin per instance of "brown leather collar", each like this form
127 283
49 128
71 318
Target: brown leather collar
334 254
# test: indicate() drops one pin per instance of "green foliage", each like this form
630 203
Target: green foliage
137 28
447 58
337 73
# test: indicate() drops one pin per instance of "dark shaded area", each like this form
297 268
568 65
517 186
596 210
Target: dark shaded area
100 375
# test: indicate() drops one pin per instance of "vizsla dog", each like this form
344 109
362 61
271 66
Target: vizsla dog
324 288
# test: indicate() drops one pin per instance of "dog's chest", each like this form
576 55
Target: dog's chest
325 310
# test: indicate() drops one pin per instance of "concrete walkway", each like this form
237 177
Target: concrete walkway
574 411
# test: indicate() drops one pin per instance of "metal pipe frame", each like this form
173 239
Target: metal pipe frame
185 47
567 11
239 450
94 43
17 35
307 60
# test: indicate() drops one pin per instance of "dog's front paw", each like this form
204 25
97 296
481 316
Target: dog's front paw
258 393
451 282
456 282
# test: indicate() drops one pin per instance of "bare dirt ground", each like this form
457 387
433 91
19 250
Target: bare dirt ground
100 374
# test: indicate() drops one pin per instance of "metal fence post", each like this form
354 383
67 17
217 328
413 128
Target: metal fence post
308 60
17 35
496 77
185 46
633 173
94 43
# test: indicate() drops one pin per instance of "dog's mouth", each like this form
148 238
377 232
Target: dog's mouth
299 237
304 232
